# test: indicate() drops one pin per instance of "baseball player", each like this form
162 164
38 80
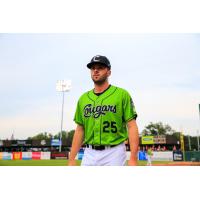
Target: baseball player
149 156
105 118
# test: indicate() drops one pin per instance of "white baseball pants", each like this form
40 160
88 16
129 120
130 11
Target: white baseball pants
148 160
112 156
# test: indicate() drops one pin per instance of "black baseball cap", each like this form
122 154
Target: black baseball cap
99 59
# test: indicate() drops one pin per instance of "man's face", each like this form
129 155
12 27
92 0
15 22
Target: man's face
99 73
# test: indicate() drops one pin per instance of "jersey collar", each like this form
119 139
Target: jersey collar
109 91
98 94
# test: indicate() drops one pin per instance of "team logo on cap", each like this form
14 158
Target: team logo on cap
96 58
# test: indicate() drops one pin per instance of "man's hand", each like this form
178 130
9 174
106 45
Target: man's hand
72 163
133 141
132 162
76 145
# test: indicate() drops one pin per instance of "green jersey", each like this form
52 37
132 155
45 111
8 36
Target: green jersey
149 152
104 116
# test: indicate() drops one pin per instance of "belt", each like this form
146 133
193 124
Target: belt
100 147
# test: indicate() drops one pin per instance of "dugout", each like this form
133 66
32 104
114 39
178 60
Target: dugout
158 142
32 145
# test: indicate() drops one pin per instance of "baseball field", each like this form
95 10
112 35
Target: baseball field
65 162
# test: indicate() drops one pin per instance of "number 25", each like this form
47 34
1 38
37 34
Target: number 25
108 125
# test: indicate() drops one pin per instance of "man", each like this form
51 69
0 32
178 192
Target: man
103 116
149 156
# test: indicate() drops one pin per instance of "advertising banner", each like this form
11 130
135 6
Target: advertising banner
162 156
13 143
142 155
147 140
41 143
36 155
26 155
24 143
7 156
55 142
80 154
21 143
61 155
45 155
177 156
1 155
159 139
7 143
17 155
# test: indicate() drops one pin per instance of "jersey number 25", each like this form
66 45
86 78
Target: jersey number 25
109 125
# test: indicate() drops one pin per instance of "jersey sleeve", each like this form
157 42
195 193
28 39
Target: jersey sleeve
78 115
129 111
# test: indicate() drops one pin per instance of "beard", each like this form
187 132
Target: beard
100 81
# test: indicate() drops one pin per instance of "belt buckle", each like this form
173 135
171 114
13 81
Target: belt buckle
99 148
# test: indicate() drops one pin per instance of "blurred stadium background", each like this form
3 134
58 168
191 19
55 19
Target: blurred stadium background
167 149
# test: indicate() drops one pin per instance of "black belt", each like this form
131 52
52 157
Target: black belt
100 147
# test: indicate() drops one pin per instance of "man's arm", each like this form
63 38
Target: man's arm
76 144
133 141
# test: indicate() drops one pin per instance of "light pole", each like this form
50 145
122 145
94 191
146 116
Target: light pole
189 143
198 131
198 140
62 86
182 144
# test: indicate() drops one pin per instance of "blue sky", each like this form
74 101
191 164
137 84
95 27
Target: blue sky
160 71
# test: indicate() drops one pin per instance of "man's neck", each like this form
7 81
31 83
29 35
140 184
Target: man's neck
101 88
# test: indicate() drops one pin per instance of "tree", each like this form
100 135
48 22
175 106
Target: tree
157 129
176 135
41 136
64 135
191 143
70 136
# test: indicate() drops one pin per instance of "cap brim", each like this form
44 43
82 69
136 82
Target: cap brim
89 65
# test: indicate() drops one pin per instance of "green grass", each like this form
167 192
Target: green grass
55 162
34 162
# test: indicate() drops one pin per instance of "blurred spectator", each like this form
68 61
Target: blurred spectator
174 148
164 148
149 156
